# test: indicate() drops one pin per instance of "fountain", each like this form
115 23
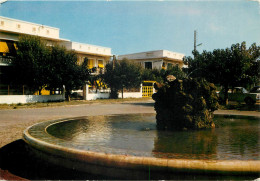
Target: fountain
130 147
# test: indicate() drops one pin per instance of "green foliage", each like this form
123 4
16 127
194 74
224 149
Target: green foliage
185 104
152 74
38 65
230 67
160 75
175 71
30 64
65 70
122 74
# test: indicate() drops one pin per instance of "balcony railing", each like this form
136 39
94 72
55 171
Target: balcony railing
6 60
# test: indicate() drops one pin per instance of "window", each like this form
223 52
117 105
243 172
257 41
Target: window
34 29
2 23
79 60
18 26
148 65
100 64
164 65
90 63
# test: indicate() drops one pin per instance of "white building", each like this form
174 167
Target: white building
11 29
159 59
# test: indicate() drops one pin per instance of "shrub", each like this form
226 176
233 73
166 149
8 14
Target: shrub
185 104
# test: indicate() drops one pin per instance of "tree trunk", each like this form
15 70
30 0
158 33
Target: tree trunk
40 90
122 93
67 95
226 95
114 93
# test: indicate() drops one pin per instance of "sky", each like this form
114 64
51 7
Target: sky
137 26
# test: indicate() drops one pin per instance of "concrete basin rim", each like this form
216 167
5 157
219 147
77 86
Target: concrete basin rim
126 160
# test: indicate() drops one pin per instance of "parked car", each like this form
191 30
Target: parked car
255 89
240 94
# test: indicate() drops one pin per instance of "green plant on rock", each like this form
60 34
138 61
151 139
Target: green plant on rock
185 104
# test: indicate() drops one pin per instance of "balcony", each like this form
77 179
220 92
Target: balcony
5 60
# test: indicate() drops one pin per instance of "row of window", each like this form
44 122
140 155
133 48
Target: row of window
97 49
149 54
149 65
18 26
92 62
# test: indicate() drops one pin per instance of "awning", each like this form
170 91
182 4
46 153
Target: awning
3 47
15 46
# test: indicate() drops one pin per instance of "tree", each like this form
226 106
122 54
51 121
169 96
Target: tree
30 64
153 74
38 65
122 74
65 70
175 71
230 67
160 75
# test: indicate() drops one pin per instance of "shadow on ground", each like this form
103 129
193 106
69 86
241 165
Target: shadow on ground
149 104
16 163
242 107
15 158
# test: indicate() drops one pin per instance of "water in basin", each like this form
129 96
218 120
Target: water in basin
234 138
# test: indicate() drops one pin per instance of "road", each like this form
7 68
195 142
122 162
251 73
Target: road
13 122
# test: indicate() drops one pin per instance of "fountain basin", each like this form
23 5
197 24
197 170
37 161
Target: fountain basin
49 142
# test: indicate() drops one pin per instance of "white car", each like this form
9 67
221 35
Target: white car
240 94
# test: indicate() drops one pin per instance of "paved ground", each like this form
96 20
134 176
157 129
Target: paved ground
13 122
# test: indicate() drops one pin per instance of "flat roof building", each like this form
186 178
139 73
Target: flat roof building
11 29
159 59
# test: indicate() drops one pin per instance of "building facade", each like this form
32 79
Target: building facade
159 59
11 29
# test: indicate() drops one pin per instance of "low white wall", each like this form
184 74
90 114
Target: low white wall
130 95
94 96
15 99
105 95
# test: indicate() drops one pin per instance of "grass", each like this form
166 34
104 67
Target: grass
240 107
72 102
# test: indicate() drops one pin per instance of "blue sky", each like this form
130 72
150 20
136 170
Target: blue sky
136 26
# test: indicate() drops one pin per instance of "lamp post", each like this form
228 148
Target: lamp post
195 41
